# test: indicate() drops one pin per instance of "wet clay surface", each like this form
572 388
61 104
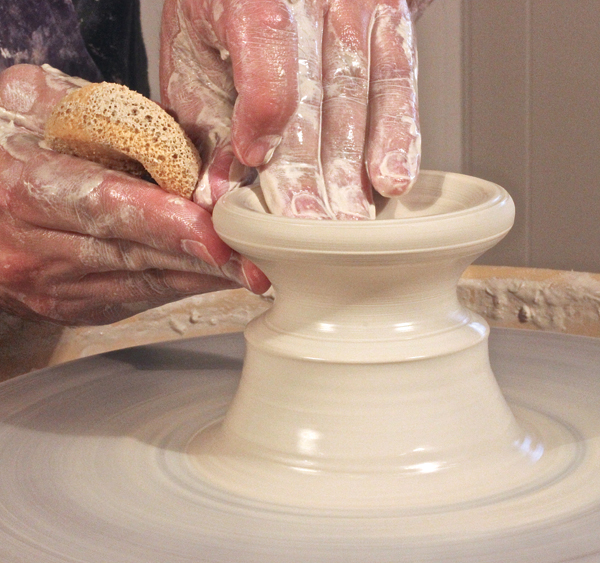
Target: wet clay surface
506 297
549 300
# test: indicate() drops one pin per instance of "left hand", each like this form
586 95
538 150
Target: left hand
81 244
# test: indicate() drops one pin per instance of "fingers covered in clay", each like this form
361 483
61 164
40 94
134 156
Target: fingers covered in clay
229 74
292 181
196 86
356 128
64 231
394 140
262 44
345 109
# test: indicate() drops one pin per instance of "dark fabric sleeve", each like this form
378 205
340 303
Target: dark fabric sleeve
44 31
94 39
112 33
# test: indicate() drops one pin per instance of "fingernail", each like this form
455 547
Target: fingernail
394 165
257 281
198 250
245 273
398 171
262 150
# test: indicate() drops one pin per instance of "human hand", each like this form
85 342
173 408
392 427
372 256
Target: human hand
80 244
319 95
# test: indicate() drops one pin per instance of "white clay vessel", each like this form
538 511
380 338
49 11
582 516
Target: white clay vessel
367 385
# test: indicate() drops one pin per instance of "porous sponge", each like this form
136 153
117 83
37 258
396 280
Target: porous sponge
121 129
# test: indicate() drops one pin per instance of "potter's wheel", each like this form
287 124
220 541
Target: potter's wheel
95 467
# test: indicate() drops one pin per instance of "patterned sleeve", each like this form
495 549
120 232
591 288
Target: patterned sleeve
44 31
93 39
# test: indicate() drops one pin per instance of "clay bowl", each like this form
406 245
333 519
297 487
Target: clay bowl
367 385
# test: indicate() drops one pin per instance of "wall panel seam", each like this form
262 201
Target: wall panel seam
466 87
528 131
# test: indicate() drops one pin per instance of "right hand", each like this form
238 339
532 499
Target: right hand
80 244
319 95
